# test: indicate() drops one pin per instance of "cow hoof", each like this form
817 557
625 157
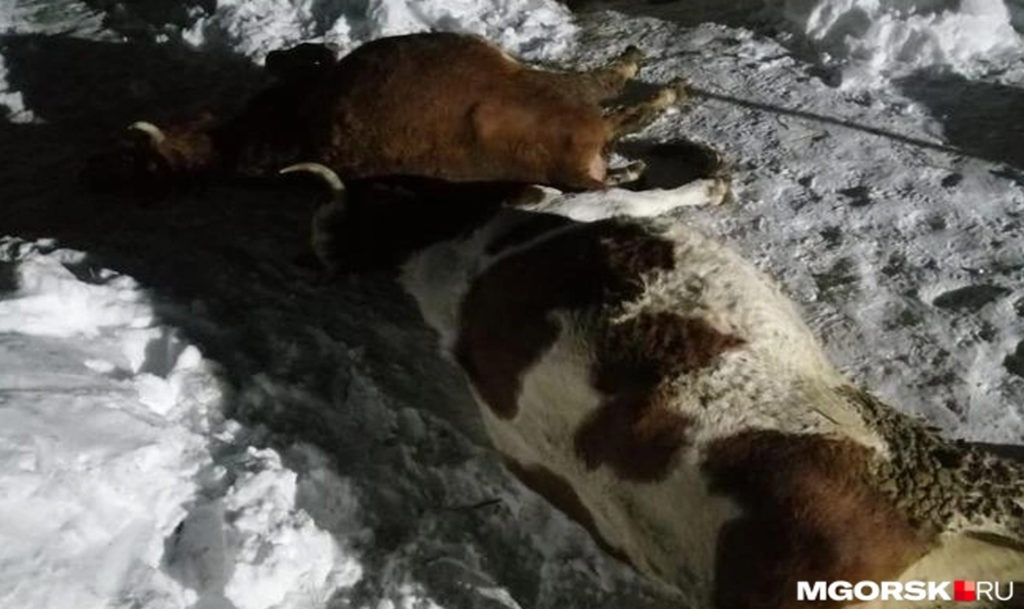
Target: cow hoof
719 190
632 56
624 175
628 62
682 91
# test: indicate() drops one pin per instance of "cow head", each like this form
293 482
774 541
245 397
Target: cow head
151 161
376 223
133 163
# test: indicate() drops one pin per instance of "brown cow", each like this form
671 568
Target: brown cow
447 106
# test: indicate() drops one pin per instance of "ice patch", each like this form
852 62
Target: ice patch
871 39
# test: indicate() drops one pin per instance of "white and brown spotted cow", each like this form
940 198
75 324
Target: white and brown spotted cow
666 395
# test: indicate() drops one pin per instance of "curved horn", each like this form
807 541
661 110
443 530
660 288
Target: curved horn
156 136
327 217
323 172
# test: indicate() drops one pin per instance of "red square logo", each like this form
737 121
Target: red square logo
964 591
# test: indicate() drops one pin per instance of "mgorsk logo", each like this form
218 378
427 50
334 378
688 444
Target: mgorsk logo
967 591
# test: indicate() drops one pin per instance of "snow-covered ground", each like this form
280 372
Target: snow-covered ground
187 421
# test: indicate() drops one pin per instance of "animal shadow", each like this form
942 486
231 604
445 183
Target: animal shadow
340 367
981 118
672 164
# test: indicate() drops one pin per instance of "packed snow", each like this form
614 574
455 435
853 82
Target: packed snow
189 421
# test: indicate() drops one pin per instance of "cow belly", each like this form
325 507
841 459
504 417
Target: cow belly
666 529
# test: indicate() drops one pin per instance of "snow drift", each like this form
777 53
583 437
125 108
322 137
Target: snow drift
122 481
255 28
533 28
865 40
869 39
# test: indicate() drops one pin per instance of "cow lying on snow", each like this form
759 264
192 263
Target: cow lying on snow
443 105
663 393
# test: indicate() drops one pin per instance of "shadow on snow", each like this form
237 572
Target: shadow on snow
333 366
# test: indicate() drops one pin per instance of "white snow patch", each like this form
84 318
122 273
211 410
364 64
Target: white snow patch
254 28
105 460
871 39
293 566
51 301
52 17
11 102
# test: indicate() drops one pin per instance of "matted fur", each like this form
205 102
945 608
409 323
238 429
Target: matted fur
635 431
812 511
504 332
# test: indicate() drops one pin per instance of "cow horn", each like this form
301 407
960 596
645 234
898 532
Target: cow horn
326 218
156 136
323 172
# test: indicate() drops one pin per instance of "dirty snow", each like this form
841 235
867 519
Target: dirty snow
189 422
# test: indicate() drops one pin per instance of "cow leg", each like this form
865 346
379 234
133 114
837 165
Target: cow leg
596 205
609 81
712 188
631 119
595 86
698 193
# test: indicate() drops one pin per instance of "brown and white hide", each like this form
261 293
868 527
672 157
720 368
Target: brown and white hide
666 395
